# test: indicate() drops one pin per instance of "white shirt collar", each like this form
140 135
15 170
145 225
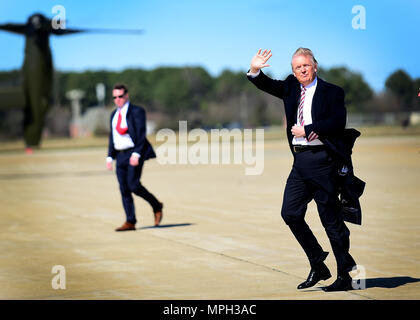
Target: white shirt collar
313 83
125 106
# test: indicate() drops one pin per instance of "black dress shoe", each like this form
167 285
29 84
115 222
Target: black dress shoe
316 274
343 283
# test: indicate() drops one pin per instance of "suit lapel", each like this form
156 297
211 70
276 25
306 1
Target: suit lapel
317 99
128 112
113 113
129 123
295 99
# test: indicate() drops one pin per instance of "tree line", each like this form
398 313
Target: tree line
191 93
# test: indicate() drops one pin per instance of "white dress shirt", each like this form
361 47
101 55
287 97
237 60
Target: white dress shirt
307 114
121 141
307 109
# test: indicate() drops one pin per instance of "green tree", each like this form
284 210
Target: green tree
178 90
357 91
416 104
401 86
229 84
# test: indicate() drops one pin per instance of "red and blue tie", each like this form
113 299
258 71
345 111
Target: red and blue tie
312 135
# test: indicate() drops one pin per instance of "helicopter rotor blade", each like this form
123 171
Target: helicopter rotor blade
108 31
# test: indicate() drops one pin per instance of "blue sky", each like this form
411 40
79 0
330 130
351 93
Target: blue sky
225 34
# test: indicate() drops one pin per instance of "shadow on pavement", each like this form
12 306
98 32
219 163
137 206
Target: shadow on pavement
167 226
389 283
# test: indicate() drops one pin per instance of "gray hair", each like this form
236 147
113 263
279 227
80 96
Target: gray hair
305 52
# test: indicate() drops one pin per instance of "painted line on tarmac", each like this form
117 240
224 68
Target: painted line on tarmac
248 262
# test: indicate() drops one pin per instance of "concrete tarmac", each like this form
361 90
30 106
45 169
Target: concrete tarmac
222 236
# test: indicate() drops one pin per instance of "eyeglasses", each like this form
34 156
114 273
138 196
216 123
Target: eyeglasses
305 66
121 96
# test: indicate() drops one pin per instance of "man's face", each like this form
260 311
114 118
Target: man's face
303 69
120 98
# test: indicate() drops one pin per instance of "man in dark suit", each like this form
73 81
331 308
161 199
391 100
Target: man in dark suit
315 112
129 146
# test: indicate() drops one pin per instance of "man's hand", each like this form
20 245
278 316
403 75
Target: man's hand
298 131
134 160
109 165
259 61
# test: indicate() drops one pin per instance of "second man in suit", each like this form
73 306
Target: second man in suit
130 148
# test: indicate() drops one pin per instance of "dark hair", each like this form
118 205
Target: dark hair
120 86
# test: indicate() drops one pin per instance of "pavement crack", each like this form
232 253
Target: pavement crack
245 261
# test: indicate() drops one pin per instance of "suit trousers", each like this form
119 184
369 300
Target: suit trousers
129 181
314 176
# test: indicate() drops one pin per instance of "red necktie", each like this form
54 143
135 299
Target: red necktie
312 135
119 129
301 103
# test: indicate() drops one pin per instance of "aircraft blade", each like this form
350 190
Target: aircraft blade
97 30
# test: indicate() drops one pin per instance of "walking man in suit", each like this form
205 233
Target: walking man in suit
314 111
130 148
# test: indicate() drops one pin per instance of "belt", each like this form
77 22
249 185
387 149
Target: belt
126 150
300 148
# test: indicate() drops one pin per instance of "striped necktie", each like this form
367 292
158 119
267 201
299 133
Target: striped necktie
301 103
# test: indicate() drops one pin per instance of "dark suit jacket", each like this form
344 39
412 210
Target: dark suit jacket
328 111
136 123
328 121
350 187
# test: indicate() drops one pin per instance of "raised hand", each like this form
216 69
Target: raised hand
259 61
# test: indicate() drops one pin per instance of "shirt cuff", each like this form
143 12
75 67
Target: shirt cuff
253 75
135 154
109 159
